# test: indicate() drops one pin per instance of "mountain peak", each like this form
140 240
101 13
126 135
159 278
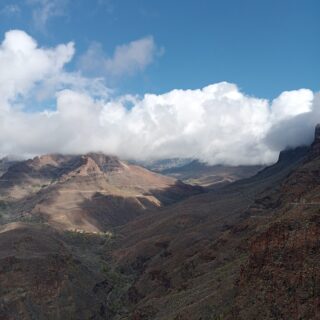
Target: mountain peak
104 162
49 159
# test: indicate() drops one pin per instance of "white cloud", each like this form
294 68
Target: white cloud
296 130
217 124
292 103
23 64
31 72
126 60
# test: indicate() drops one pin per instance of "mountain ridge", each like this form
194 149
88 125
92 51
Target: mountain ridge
60 188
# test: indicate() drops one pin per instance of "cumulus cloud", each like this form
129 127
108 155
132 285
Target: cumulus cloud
216 124
31 72
23 64
126 60
296 130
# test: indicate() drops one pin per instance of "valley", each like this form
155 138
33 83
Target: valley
99 238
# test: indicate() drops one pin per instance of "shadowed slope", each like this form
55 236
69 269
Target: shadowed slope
282 270
187 257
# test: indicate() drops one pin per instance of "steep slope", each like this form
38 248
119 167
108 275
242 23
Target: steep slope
186 258
90 193
282 270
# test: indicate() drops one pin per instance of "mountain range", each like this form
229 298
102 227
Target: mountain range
195 172
94 237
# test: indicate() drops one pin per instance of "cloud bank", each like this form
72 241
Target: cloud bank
218 124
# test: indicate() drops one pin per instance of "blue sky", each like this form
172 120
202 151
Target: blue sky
102 75
264 46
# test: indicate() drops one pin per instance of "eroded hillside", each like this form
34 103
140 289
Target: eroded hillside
89 193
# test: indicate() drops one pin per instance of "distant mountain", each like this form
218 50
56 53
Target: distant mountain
199 173
164 164
89 192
